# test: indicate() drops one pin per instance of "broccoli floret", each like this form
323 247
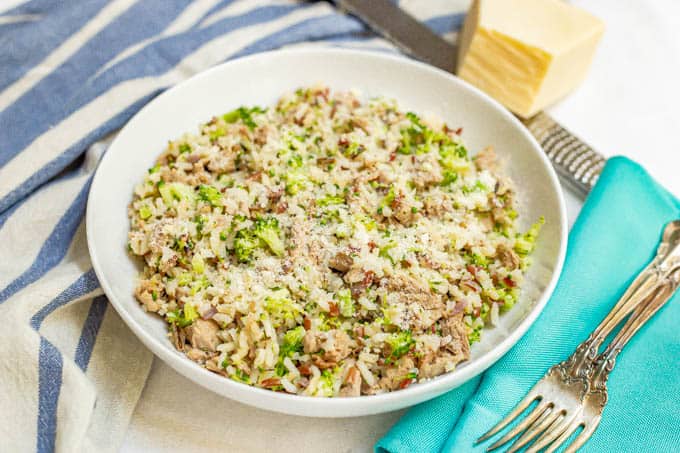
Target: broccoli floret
384 251
292 341
329 200
198 285
240 376
295 161
474 336
244 114
184 279
190 313
453 157
326 383
217 133
198 264
416 138
175 191
269 231
449 178
296 180
245 243
478 260
183 317
344 298
508 296
281 307
184 148
154 169
144 212
400 343
387 200
525 243
210 194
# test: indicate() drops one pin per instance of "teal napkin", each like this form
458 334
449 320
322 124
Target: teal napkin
614 237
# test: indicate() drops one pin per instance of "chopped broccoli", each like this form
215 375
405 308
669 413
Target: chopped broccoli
384 251
416 138
478 186
525 243
329 200
387 200
184 279
269 231
292 341
183 317
296 180
326 383
453 157
210 194
412 375
400 343
478 260
281 307
240 376
190 313
184 148
295 161
198 264
353 150
219 132
449 178
245 243
344 298
475 334
508 296
198 285
144 212
245 114
175 191
154 169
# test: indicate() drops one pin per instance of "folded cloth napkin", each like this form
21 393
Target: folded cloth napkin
71 373
614 237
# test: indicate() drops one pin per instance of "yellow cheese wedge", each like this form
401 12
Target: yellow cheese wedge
527 53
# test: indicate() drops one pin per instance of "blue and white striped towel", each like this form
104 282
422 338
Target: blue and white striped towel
71 74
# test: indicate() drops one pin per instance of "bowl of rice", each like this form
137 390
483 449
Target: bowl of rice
326 232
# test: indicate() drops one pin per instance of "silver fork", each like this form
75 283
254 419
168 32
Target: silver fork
561 392
596 398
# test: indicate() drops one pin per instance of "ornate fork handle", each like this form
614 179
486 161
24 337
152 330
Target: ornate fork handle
606 361
580 365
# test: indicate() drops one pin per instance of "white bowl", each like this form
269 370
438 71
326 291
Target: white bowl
261 79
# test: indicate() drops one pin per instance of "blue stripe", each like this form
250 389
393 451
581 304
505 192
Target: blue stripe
49 386
54 248
309 29
55 166
24 45
214 10
8 213
51 363
88 337
85 284
22 122
446 23
4 216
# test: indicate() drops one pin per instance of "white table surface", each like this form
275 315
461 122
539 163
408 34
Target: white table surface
629 105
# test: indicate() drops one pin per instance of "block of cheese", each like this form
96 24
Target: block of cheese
527 53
